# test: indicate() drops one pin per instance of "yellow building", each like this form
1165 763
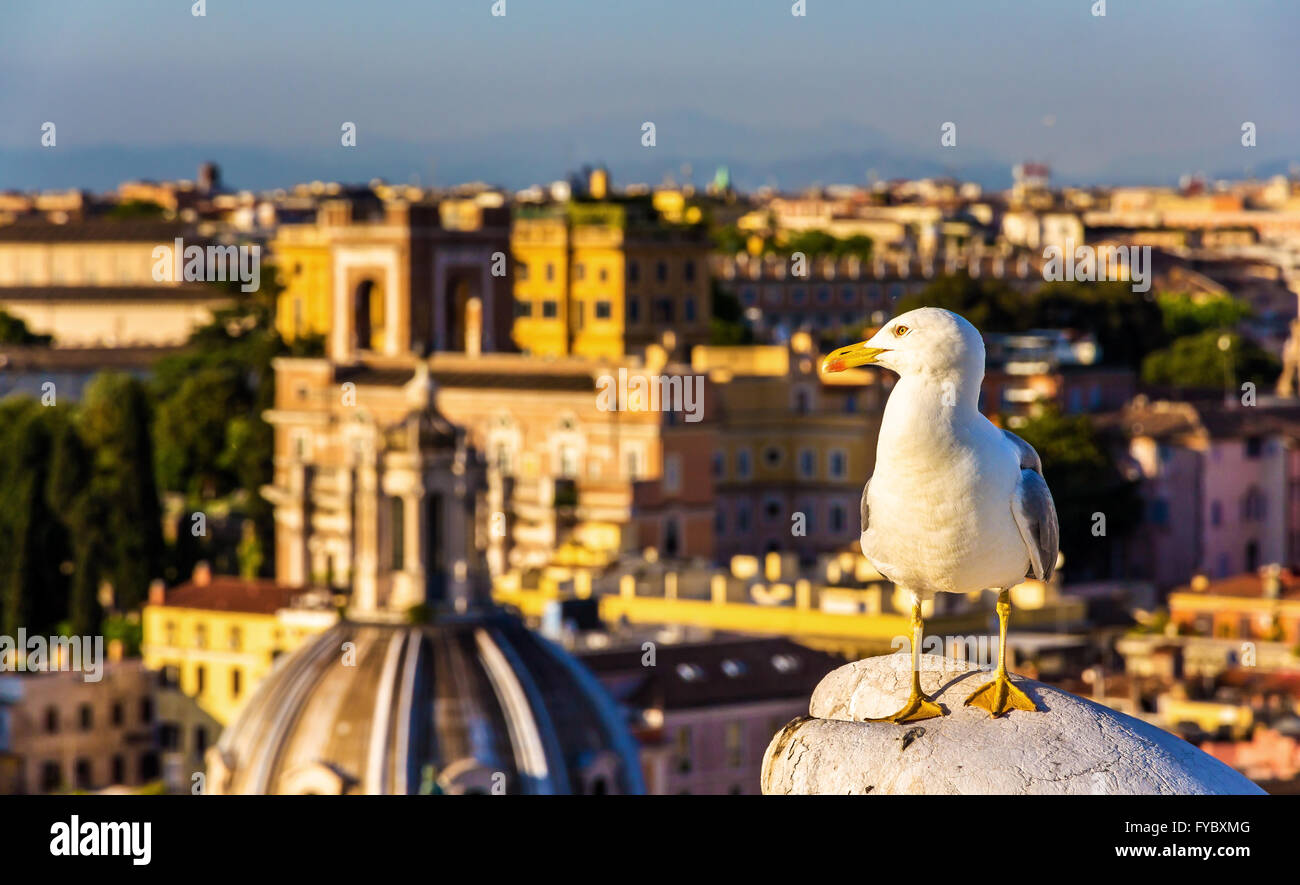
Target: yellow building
395 277
214 639
606 278
793 449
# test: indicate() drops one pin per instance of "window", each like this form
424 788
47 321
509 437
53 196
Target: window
744 467
837 518
735 740
86 717
772 456
799 295
604 274
809 511
672 536
550 309
742 517
200 679
633 309
579 271
523 308
1216 513
84 777
396 534
236 639
838 464
772 509
661 271
689 309
689 270
1254 447
673 473
846 295
51 777
662 310
633 271
119 769
146 710
201 636
749 296
684 749
719 522
807 463
521 270
118 714
824 295
236 682
200 740
719 465
550 272
604 310
51 720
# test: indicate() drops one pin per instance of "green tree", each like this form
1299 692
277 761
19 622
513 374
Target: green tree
212 441
1085 481
33 539
1127 325
13 330
1184 315
989 304
727 325
115 421
1196 362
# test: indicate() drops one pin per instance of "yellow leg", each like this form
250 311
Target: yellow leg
1001 696
919 705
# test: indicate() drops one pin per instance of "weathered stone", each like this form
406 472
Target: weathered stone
1074 746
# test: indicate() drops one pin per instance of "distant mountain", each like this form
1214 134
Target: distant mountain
787 157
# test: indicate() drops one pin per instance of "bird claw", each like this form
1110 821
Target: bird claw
919 706
1000 696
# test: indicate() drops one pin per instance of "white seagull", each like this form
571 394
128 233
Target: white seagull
956 504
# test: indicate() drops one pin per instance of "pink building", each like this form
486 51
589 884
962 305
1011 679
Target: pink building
1219 486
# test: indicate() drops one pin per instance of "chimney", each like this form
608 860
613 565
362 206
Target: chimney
157 592
202 573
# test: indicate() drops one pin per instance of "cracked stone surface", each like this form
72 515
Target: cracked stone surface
1074 746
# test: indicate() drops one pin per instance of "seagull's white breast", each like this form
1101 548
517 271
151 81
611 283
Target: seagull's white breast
940 504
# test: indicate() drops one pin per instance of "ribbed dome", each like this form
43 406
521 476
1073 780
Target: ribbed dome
476 703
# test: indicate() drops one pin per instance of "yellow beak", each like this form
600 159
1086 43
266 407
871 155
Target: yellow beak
848 357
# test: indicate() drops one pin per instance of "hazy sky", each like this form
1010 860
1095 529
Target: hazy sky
1165 79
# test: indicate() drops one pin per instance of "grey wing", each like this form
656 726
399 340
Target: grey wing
1035 516
1034 511
865 510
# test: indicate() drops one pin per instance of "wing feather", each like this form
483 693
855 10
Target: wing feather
1035 515
865 510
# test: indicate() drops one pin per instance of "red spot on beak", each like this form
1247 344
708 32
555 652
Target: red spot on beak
835 366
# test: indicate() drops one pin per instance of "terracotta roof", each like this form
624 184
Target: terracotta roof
225 593
1248 585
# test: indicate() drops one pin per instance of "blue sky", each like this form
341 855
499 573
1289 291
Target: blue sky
1154 87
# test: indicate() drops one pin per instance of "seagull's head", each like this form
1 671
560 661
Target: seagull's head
925 341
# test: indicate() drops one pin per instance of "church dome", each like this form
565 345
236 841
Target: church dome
471 703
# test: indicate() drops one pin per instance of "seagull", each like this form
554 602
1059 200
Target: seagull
956 504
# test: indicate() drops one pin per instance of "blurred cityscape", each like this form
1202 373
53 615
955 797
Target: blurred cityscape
382 488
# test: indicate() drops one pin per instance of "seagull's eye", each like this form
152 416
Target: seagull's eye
900 331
